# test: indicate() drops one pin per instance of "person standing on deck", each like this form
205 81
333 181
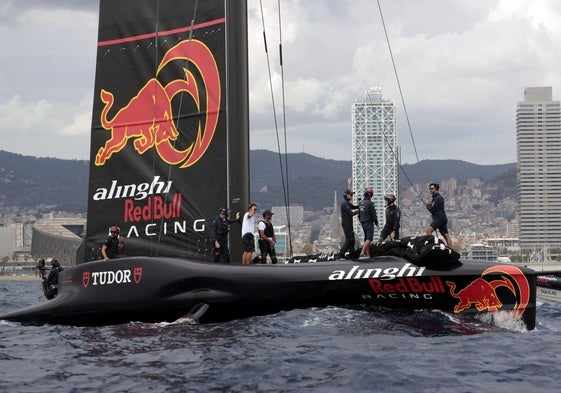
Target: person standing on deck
347 214
267 238
219 234
368 218
248 238
439 219
393 220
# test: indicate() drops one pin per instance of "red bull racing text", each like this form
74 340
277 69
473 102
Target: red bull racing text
147 202
409 287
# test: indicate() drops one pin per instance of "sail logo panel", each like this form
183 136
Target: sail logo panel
159 127
148 118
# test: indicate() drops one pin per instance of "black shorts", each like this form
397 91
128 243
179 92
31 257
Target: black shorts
387 231
266 249
248 241
368 229
440 223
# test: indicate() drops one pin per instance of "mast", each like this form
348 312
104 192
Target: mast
238 114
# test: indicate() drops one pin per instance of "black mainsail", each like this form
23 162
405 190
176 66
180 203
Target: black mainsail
165 152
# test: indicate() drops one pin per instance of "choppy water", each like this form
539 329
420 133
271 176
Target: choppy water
312 350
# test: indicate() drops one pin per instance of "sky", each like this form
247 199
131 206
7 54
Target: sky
462 67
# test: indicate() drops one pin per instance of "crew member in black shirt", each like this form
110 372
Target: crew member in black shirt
267 238
368 218
393 220
219 234
348 211
112 244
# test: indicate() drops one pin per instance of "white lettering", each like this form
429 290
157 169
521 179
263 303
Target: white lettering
132 230
427 296
390 273
336 275
108 277
199 225
166 228
136 191
147 230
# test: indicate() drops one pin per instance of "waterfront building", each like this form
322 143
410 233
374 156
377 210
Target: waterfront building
7 241
60 238
538 142
480 252
374 150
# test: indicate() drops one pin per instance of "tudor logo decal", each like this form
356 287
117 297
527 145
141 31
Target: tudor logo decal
112 277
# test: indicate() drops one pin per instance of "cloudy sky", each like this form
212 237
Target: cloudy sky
462 65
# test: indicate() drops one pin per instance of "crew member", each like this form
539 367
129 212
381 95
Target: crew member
112 244
347 213
368 218
267 238
248 238
393 219
52 280
219 234
439 219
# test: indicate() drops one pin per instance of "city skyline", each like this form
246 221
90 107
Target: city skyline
462 66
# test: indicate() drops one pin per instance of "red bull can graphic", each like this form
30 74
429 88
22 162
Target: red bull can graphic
482 293
148 118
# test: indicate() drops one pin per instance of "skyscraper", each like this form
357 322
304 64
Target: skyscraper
374 156
538 143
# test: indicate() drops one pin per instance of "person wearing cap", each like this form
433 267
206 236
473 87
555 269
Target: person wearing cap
348 211
368 218
219 234
393 220
267 238
248 238
112 244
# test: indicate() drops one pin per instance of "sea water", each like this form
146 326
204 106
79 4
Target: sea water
311 350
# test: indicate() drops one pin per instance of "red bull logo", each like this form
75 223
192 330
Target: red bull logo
482 293
148 118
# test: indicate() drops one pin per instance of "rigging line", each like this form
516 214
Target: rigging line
287 201
402 98
273 101
396 157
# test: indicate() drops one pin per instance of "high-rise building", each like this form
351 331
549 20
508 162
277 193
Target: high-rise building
538 143
374 156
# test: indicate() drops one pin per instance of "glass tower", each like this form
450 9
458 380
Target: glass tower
374 156
538 143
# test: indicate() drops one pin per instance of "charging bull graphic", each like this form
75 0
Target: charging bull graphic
148 117
483 293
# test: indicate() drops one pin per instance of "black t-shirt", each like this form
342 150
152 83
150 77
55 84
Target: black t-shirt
112 244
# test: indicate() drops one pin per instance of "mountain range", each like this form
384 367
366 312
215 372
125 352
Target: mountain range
59 184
